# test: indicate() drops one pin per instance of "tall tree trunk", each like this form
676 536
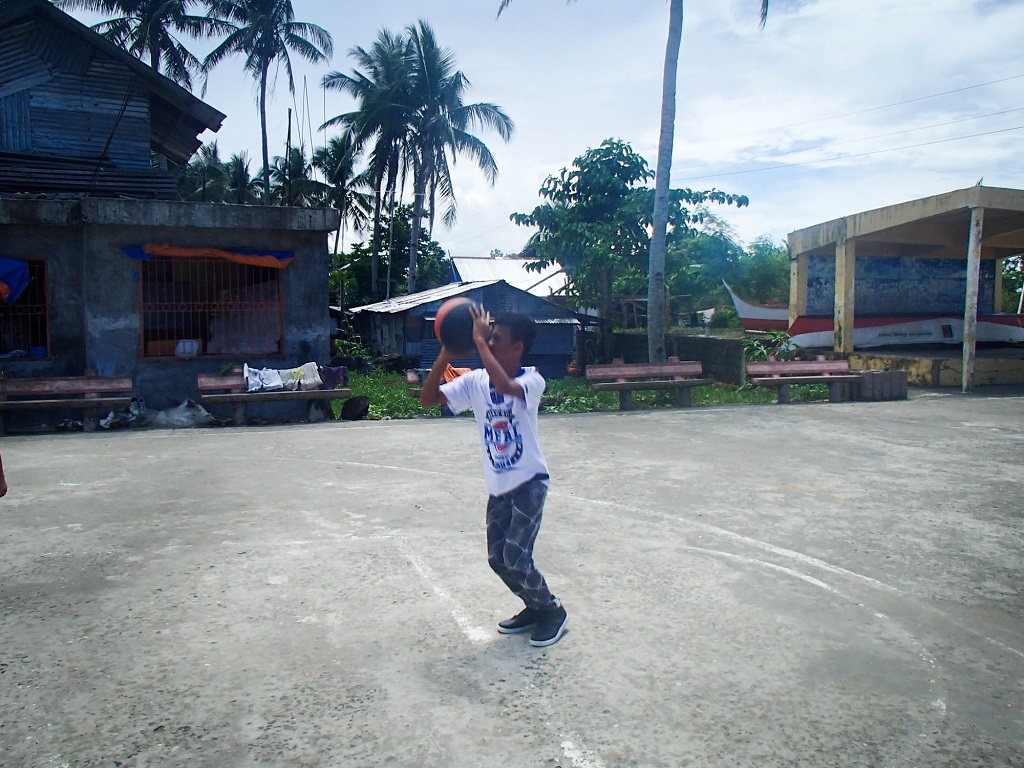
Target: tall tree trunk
263 128
607 321
656 277
417 224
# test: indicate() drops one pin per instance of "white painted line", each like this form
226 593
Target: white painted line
580 757
726 534
782 569
476 634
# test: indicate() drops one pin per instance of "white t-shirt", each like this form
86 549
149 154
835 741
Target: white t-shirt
507 425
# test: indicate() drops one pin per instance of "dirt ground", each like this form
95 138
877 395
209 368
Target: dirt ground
806 585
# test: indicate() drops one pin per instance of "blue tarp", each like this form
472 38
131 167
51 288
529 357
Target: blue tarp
14 273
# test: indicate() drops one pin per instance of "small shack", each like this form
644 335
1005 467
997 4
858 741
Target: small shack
404 325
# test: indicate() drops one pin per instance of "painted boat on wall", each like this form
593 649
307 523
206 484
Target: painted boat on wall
877 331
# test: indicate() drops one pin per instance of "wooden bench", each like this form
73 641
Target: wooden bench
782 373
231 388
627 378
92 394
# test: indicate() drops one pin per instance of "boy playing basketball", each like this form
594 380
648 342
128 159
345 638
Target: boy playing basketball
505 398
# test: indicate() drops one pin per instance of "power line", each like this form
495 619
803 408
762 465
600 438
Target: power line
875 109
828 145
847 157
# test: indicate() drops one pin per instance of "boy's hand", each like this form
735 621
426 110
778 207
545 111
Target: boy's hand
481 324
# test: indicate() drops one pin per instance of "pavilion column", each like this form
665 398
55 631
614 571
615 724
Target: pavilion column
846 272
971 301
797 286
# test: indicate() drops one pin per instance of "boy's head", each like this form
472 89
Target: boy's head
519 328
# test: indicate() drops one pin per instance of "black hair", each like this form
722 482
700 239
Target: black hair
521 328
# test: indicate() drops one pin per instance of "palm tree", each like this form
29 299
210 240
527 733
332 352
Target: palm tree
337 162
292 182
242 189
656 271
144 28
440 124
264 31
205 178
380 84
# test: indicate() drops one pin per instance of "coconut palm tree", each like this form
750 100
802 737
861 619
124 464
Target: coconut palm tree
264 32
380 84
242 188
440 125
205 177
292 182
337 162
145 29
656 271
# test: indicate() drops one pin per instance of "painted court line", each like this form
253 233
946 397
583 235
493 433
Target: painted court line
476 634
726 534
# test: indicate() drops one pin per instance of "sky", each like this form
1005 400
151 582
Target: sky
835 107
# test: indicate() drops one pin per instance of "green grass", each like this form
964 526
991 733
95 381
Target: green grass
390 399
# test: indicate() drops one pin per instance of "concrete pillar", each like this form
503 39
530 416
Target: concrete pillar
797 286
971 302
846 272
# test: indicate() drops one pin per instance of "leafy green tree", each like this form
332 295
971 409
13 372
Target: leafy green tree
441 124
380 84
145 28
353 277
264 31
596 223
764 272
1013 280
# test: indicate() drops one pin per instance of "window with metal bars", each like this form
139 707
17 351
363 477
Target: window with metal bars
25 323
203 306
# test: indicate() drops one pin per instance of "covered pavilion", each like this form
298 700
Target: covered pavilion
974 226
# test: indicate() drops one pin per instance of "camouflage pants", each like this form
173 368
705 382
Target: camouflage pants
513 520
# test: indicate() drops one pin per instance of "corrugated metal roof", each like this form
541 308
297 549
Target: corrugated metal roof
412 300
513 271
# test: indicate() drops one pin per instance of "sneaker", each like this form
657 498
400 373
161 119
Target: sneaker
550 627
521 622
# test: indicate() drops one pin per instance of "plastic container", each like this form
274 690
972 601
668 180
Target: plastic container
187 348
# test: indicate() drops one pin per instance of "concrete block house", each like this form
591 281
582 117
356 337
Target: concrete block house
112 273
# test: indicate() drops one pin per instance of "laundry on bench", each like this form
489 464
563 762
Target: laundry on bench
305 377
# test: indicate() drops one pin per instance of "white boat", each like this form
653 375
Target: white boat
760 317
877 331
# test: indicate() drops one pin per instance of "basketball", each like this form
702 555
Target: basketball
453 326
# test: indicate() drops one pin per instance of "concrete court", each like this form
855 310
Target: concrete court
805 585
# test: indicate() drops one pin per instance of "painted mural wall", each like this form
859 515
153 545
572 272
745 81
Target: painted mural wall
900 286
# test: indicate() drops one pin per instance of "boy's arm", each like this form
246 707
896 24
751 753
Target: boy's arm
430 394
499 376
